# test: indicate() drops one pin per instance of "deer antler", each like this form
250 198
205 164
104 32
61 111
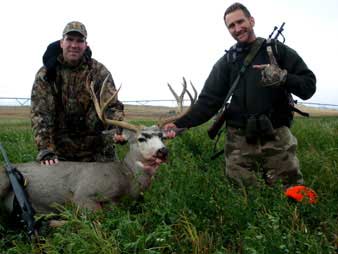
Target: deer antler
100 106
179 100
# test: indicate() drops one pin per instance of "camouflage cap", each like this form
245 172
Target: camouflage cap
75 26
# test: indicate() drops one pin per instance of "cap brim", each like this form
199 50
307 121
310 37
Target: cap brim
75 31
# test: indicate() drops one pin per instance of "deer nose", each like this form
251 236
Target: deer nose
162 153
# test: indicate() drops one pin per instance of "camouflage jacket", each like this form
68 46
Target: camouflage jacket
63 109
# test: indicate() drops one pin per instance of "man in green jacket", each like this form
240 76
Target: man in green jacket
65 123
258 115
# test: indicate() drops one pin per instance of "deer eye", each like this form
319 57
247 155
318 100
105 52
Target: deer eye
141 140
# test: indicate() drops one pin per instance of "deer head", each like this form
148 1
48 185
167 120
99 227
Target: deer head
147 150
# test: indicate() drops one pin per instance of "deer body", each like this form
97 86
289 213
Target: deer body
76 182
90 184
84 183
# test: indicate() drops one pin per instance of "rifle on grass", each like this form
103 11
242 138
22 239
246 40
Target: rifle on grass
26 212
221 116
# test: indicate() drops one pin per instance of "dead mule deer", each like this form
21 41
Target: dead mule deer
91 184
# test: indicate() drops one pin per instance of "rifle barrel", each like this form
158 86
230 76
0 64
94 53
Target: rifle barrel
4 155
27 211
280 30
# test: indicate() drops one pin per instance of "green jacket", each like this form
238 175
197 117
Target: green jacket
249 97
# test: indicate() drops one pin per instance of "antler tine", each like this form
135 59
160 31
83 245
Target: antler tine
124 125
179 99
180 102
173 92
192 99
184 84
103 88
96 103
101 106
195 92
105 104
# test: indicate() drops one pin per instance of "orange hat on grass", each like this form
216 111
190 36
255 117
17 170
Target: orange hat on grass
300 193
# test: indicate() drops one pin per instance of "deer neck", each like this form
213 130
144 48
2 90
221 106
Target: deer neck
140 179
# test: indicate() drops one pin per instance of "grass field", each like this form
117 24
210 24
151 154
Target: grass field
192 208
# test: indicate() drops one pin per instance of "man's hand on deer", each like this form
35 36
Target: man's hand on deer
50 162
47 157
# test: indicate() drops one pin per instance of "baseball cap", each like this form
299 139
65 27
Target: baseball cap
75 26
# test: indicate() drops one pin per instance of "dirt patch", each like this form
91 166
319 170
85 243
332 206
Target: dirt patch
13 112
132 112
317 111
138 112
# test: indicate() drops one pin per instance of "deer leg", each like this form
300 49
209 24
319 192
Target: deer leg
87 203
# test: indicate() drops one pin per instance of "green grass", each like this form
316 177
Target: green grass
192 208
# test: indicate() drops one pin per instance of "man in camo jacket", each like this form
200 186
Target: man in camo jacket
64 121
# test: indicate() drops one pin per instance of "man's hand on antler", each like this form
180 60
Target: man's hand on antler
169 130
272 74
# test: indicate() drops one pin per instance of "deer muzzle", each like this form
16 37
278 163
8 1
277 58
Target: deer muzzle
162 153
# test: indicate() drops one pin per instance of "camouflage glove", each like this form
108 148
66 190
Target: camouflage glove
46 154
272 74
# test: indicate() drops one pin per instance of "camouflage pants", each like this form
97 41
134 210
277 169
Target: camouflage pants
274 159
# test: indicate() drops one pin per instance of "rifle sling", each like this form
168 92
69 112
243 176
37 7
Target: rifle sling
247 61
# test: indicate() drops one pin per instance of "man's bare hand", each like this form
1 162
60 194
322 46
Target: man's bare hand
119 139
50 162
169 130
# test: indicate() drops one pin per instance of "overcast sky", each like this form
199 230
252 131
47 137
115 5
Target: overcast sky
147 43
